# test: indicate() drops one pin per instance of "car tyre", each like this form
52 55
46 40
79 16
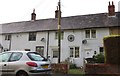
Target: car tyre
21 73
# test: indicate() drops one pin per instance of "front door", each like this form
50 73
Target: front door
40 50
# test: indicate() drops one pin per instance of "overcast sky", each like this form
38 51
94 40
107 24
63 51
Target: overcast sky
20 10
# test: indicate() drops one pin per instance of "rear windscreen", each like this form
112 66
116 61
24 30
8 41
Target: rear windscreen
35 56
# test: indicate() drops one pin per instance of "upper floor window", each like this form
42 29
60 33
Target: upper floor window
90 33
32 36
93 33
56 35
87 33
7 37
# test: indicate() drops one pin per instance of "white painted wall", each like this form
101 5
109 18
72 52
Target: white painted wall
20 42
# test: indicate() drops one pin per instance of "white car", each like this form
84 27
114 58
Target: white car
23 63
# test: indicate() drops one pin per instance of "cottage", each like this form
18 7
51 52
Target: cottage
81 35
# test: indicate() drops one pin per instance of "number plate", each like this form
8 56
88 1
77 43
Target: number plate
45 66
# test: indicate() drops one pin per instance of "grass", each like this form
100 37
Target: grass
75 71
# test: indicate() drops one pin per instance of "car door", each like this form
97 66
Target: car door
13 63
4 63
0 64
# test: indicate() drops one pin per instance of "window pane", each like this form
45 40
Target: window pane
32 36
87 33
93 33
71 52
101 49
35 56
5 57
0 57
7 37
56 35
40 50
76 52
16 56
55 54
62 35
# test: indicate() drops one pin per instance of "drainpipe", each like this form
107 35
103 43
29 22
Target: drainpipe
59 31
47 43
10 43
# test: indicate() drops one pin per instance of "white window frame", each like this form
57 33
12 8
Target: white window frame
92 33
32 36
8 37
73 52
55 53
62 35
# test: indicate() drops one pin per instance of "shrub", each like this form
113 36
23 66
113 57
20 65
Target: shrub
72 66
99 58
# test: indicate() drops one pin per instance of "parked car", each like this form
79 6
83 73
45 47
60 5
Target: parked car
23 63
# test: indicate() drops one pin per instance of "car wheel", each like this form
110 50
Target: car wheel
21 73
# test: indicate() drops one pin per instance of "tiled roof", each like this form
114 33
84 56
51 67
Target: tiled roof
73 22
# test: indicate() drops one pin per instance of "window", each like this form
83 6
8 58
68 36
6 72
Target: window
90 33
55 54
16 56
5 57
7 37
40 50
101 49
71 52
56 35
93 33
35 56
32 36
87 33
74 52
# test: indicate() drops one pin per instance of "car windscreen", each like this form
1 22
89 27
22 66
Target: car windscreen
35 56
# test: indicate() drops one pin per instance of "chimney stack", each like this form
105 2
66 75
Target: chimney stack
33 15
56 13
111 9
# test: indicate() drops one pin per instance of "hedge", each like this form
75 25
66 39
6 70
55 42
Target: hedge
112 49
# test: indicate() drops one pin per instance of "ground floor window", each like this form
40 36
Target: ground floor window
74 52
55 54
40 50
101 50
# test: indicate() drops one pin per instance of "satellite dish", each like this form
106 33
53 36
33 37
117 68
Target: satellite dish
84 42
42 39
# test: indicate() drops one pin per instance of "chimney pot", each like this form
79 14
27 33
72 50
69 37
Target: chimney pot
33 15
109 3
111 9
112 3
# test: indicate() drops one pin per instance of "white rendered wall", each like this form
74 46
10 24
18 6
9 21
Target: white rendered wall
20 42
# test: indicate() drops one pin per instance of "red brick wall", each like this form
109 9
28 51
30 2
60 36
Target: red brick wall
60 68
102 69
